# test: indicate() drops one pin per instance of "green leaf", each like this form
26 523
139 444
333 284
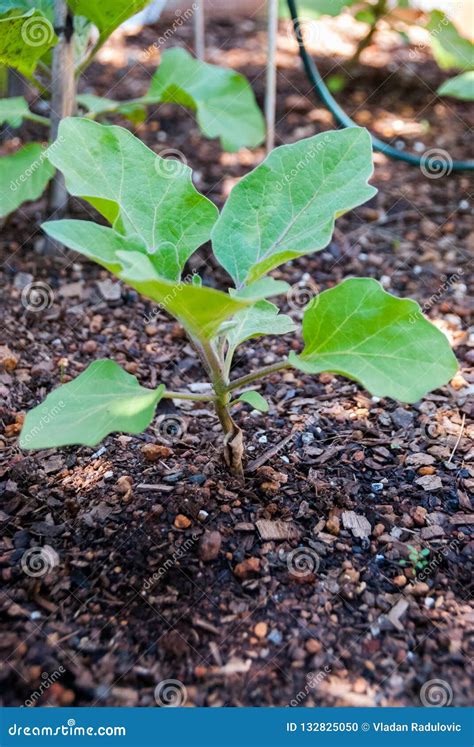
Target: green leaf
287 206
223 99
330 7
449 48
260 319
24 39
358 330
255 400
13 110
102 400
23 177
99 105
95 242
140 193
460 87
263 288
107 15
200 310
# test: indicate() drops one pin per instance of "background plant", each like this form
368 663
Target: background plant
283 209
52 51
451 50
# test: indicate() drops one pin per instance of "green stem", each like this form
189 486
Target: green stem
37 118
379 10
89 58
258 374
193 397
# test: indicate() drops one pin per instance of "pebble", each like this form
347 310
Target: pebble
275 637
153 452
261 630
247 568
402 418
377 487
182 522
400 581
209 546
313 646
419 516
124 484
420 589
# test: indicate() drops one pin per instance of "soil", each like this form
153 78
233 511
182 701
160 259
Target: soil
339 571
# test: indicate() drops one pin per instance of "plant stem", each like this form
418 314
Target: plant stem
379 10
37 118
194 397
90 56
259 374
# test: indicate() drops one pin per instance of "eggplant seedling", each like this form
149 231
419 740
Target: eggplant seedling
283 209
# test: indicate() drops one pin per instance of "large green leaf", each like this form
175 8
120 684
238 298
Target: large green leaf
460 87
106 14
358 330
200 310
223 99
287 206
140 193
23 177
102 400
260 319
24 39
450 49
13 110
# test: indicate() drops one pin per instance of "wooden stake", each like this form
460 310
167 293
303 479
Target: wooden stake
270 96
199 30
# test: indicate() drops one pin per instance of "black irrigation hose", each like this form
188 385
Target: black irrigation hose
434 161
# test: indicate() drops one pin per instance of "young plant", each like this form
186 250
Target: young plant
223 100
450 49
283 209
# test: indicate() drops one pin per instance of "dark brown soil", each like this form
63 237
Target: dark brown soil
139 590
